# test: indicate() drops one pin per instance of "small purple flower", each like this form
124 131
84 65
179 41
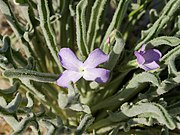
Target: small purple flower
75 69
148 60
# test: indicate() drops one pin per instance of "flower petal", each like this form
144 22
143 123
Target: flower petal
158 52
67 76
150 66
142 48
95 58
139 57
99 75
152 55
69 60
144 67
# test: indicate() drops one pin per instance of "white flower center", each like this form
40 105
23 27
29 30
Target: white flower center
81 69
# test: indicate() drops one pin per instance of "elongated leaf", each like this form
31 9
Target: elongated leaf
30 119
12 89
116 52
172 67
109 42
165 40
149 110
31 75
18 30
174 109
144 121
167 13
12 106
5 9
85 123
153 30
7 51
173 53
96 13
28 14
19 2
117 19
11 120
63 24
44 15
80 108
134 86
112 118
167 85
114 131
62 100
81 27
71 101
30 100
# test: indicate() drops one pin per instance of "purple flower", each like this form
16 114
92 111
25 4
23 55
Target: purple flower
75 69
148 60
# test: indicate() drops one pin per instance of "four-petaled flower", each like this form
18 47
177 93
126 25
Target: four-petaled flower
148 60
75 69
